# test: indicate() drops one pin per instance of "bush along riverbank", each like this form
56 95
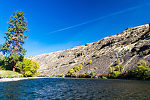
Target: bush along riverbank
140 72
24 68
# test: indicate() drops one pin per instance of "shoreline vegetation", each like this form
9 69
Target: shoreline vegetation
139 72
27 78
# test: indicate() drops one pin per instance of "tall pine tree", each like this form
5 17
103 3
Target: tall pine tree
13 47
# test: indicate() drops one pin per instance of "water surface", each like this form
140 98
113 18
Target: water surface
84 89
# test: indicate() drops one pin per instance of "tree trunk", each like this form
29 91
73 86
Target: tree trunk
13 68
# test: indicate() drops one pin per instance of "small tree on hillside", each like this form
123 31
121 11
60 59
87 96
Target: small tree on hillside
13 47
90 61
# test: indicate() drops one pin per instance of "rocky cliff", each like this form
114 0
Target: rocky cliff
129 46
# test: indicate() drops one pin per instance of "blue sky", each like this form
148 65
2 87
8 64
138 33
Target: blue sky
61 24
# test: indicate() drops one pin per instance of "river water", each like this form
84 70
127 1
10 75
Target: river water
72 89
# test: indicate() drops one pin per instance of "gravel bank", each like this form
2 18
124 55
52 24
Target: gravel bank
17 79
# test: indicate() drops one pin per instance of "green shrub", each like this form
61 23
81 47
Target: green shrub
28 67
70 73
95 68
82 63
102 77
112 69
117 68
116 71
92 73
37 74
90 61
121 68
2 62
118 61
80 67
59 75
142 63
142 71
75 68
115 74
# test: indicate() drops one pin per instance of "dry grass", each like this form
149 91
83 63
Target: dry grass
9 74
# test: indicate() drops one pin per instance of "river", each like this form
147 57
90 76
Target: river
70 89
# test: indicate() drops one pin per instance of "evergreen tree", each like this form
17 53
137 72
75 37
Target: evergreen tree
13 47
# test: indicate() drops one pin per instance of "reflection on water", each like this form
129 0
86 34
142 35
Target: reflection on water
59 88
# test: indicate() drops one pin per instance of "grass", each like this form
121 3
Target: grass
9 74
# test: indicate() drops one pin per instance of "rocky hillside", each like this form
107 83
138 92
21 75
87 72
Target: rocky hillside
129 46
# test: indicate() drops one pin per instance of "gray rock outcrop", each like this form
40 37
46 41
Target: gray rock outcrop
129 46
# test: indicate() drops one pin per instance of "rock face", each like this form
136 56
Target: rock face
129 46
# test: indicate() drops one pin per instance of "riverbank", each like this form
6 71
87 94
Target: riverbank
17 79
